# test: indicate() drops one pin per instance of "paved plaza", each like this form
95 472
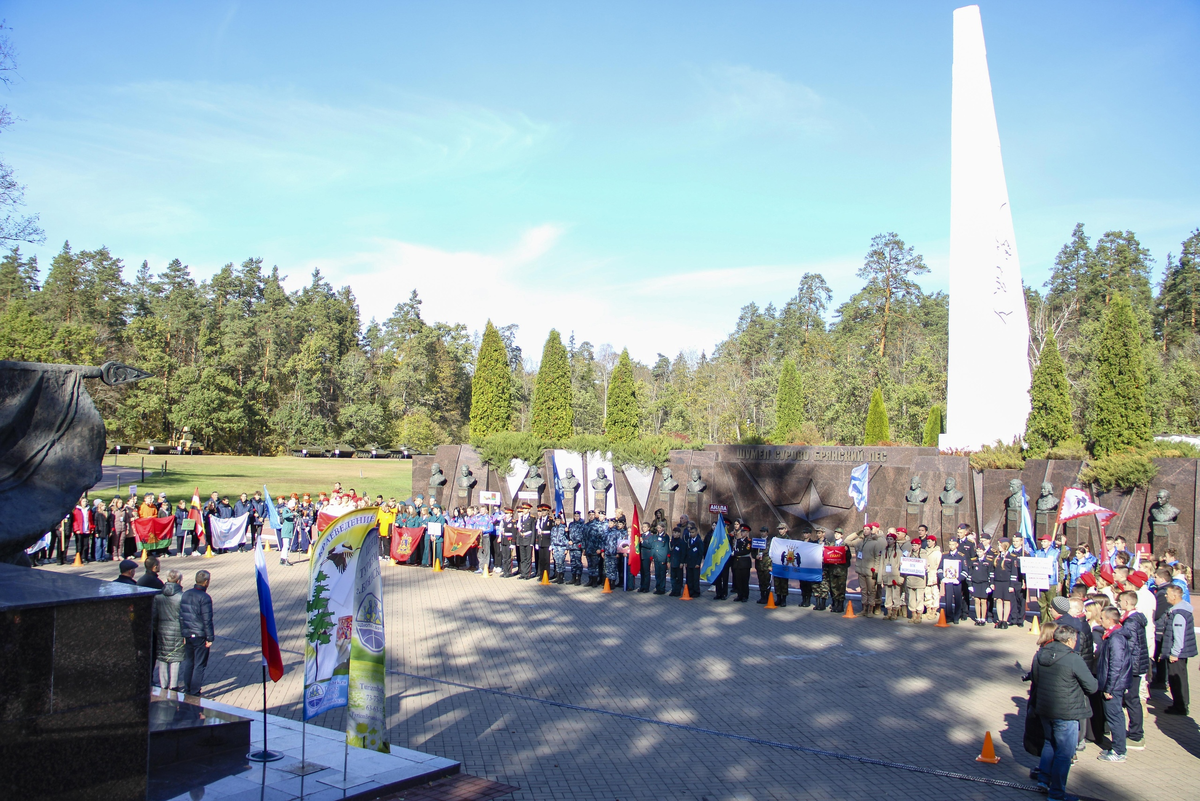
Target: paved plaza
565 692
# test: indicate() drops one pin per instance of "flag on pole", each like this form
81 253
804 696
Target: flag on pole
635 534
558 489
272 512
228 532
859 486
1077 503
195 514
266 616
152 532
1027 524
718 553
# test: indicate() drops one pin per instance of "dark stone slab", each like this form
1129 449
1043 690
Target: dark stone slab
77 682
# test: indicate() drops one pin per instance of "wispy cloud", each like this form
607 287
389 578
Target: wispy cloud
741 98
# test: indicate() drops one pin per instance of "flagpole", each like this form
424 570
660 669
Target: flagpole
264 755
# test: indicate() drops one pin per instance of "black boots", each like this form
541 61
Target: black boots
558 579
762 599
805 600
591 581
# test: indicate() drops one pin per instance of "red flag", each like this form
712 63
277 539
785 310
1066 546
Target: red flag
195 514
635 534
153 531
456 541
404 540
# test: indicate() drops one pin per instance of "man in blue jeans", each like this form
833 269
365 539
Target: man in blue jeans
1061 684
1114 669
196 626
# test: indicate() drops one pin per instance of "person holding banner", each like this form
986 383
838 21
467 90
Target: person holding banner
779 583
914 570
950 576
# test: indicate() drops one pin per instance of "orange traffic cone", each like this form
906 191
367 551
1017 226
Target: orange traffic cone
607 587
437 566
546 578
771 601
850 610
941 624
78 560
1036 629
989 751
687 596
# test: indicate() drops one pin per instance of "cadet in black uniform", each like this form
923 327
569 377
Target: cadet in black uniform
525 534
508 536
1004 567
979 572
677 560
693 553
654 548
542 527
740 559
721 582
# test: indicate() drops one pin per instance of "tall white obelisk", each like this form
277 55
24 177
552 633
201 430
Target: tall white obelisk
988 381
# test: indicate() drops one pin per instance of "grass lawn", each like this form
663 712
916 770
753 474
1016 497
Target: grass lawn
232 475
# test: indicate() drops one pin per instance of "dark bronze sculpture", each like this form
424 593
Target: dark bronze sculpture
668 483
1161 511
1047 501
950 495
915 493
696 483
51 445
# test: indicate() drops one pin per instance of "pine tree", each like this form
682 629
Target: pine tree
789 403
1117 417
491 387
552 404
1049 421
933 427
877 421
621 415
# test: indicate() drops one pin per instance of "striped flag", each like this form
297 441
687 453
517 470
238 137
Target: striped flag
195 514
635 534
266 616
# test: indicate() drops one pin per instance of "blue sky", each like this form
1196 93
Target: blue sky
632 172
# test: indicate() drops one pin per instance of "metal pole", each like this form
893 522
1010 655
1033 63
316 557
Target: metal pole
264 755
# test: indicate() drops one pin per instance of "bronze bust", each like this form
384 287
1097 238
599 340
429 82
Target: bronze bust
1161 511
696 484
668 483
915 493
950 495
436 477
1047 501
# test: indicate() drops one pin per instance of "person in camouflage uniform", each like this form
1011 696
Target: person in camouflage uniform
820 590
612 550
838 574
576 538
558 548
593 544
762 566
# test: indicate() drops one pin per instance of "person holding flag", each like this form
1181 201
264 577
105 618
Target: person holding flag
716 559
633 560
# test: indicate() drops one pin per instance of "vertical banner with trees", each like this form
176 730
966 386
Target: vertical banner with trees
344 636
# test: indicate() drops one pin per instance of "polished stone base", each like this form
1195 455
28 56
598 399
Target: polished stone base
181 729
74 686
229 775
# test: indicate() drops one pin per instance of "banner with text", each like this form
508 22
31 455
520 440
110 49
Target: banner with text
344 635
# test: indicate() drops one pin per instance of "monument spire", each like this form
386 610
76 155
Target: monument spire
987 393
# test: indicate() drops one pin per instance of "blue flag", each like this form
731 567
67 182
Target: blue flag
272 512
718 553
1027 525
859 486
558 490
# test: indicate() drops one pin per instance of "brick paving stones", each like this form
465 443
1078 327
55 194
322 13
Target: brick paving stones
514 679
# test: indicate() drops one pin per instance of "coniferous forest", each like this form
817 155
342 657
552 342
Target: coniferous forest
250 367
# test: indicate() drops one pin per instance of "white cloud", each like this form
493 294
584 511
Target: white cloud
740 97
538 287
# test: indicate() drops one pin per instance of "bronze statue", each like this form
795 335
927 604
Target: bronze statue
569 482
915 494
534 481
1161 511
436 477
601 483
1047 501
1014 493
52 442
950 495
465 479
696 484
668 483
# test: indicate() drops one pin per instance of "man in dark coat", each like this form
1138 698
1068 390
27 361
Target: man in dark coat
1114 666
1061 683
693 555
1134 624
196 625
126 570
653 548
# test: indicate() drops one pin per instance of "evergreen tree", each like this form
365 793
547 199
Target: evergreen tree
552 408
1117 416
789 403
933 427
491 387
1049 421
876 430
1178 316
621 415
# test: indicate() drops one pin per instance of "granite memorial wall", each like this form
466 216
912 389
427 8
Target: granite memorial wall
807 486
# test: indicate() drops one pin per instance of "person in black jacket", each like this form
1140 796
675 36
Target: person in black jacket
150 576
1114 666
693 554
526 526
653 548
125 572
740 559
1061 683
1134 624
196 625
676 559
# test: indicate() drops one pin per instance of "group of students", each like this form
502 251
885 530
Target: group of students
1098 659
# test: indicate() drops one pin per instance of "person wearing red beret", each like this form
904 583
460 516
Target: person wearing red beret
914 583
893 582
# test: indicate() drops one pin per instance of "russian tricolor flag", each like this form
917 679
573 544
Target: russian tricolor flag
266 615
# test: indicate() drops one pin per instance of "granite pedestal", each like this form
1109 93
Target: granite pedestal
74 686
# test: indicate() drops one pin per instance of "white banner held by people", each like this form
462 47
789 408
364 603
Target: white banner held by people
1037 570
228 532
912 566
